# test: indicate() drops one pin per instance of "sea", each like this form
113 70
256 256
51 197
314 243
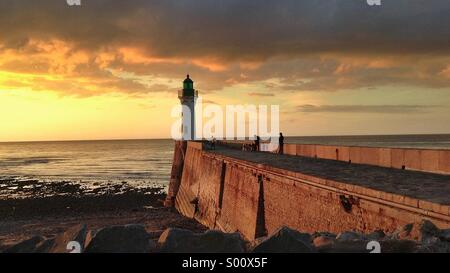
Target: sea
144 163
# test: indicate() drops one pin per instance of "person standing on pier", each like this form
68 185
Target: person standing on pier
280 143
257 140
213 143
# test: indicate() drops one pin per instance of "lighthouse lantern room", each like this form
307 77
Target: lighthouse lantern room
187 97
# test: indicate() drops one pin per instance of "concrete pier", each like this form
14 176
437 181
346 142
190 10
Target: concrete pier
257 192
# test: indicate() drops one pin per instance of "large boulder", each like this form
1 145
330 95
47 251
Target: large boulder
286 240
45 246
26 246
90 234
376 235
324 241
350 246
444 235
121 239
77 233
398 246
350 236
433 240
362 246
403 232
428 231
434 246
175 240
425 231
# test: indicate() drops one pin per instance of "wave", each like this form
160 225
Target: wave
17 161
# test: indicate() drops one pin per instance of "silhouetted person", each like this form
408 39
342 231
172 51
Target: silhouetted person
213 143
280 144
257 140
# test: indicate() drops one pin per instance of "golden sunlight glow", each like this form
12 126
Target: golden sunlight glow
27 115
52 90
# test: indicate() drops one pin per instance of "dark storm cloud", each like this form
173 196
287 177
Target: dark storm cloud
282 39
235 29
391 109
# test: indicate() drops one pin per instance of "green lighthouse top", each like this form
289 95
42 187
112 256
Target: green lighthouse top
188 84
188 91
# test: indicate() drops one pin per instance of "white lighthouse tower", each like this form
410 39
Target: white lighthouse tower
187 97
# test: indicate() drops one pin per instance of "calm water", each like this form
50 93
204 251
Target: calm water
144 162
138 162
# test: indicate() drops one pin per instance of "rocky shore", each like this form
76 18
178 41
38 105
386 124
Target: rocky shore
39 217
423 238
31 207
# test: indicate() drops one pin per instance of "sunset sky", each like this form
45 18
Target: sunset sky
110 69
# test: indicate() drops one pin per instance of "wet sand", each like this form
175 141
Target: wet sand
30 207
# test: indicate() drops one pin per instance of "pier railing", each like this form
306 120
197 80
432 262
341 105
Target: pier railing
435 161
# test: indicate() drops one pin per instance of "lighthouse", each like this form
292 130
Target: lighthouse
187 97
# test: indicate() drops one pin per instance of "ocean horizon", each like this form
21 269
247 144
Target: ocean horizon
398 138
146 162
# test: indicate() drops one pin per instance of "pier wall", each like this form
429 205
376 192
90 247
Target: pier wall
254 199
176 173
427 160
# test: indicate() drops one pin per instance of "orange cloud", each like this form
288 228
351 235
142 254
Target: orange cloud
211 64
